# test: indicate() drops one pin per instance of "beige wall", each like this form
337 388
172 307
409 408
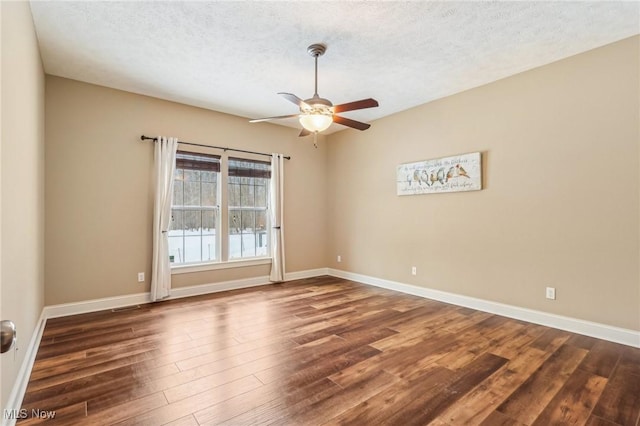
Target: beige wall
560 204
98 188
22 183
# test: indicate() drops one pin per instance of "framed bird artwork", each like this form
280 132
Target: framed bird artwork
448 174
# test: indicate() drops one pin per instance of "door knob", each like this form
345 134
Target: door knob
7 335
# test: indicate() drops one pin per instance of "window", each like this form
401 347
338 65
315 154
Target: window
248 190
200 205
195 213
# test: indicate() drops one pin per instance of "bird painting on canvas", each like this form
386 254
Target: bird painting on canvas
446 174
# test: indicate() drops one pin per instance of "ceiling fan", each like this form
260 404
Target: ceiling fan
316 113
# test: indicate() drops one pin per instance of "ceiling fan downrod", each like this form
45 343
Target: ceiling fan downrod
316 50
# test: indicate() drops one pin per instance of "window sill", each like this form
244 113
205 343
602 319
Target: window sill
200 267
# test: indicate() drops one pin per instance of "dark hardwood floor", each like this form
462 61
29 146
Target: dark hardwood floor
325 351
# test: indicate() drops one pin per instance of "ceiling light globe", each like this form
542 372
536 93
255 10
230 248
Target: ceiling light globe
316 122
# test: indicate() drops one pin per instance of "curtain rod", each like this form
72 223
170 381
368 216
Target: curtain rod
148 138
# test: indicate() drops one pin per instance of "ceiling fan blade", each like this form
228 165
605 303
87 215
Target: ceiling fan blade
294 99
304 132
258 120
351 106
350 123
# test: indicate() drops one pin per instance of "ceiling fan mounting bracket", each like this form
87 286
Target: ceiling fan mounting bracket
316 49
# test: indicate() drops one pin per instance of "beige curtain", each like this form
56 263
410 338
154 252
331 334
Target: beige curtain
276 210
165 166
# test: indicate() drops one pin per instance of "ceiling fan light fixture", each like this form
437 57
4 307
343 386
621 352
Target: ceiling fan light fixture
316 122
316 113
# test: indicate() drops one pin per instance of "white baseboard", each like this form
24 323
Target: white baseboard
197 290
309 273
574 325
86 306
14 402
95 305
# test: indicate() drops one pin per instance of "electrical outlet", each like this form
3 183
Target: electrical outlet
551 293
140 277
414 270
339 258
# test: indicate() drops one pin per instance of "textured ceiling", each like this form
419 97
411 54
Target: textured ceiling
235 56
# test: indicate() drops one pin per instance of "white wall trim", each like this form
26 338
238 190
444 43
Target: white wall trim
309 273
14 402
199 267
593 329
197 290
574 325
94 305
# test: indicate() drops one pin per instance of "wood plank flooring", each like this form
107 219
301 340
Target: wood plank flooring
325 351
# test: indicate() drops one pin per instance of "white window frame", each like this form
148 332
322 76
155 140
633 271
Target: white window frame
218 222
223 231
255 209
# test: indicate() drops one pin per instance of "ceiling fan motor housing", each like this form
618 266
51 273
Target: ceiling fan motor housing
317 105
